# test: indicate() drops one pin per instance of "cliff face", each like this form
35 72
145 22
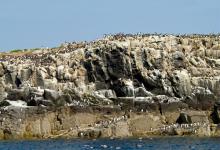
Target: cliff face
159 73
148 68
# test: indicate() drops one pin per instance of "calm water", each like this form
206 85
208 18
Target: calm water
119 144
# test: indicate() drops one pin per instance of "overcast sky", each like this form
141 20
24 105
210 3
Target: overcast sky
48 23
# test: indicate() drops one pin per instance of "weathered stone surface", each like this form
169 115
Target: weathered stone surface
51 94
120 130
89 134
184 119
141 125
215 113
2 71
160 74
142 92
127 65
19 94
26 74
107 93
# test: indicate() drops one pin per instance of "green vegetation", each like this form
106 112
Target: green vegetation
23 50
34 49
16 50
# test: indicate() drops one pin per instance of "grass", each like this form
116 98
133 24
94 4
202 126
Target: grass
16 50
23 50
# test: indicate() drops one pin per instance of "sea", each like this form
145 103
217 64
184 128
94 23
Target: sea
164 143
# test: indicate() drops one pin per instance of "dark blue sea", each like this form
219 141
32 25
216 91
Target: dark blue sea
168 143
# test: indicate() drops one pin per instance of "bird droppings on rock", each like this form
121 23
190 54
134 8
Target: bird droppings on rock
145 84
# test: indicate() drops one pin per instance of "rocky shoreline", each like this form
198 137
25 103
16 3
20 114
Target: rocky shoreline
105 122
117 86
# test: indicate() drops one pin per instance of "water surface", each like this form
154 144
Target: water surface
173 143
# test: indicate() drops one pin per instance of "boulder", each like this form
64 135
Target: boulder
26 74
204 98
10 77
145 104
50 83
178 59
2 71
65 98
60 72
3 93
4 103
39 101
184 119
51 95
128 91
118 65
36 92
89 134
51 71
191 116
181 83
107 93
40 75
18 103
121 130
3 96
57 98
142 92
19 94
215 113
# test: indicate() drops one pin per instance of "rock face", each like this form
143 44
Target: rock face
182 67
93 122
153 73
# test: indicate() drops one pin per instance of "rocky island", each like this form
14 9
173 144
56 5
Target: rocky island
119 86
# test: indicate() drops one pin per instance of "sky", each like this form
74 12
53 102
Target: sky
48 23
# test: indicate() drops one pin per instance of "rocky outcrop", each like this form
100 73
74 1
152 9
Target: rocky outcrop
96 122
158 74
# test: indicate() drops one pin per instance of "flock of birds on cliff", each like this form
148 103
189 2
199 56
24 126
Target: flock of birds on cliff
67 47
192 127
